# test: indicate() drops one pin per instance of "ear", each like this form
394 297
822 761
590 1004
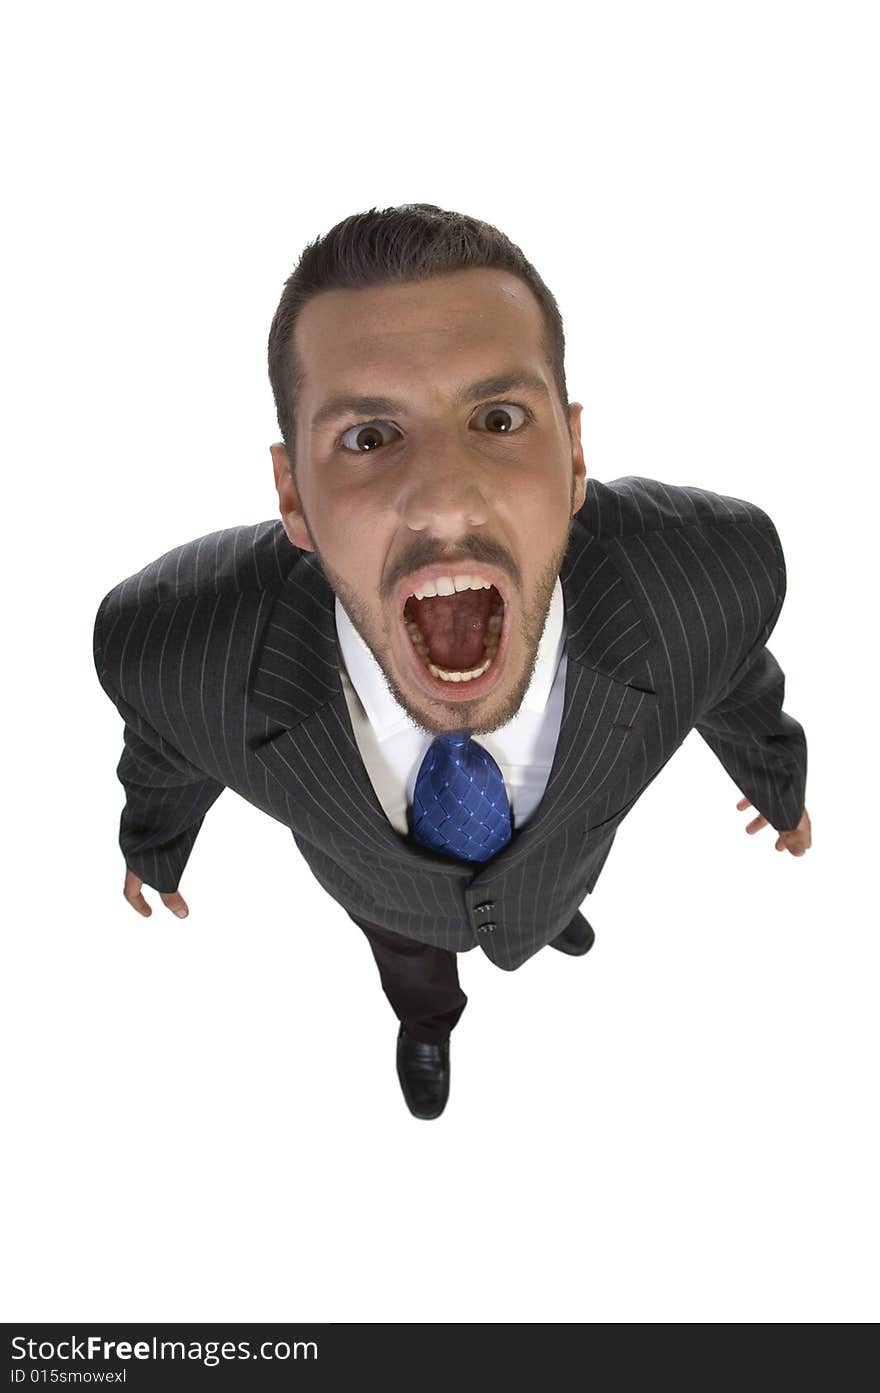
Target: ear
290 507
579 469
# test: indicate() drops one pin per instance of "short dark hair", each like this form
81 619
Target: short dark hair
412 242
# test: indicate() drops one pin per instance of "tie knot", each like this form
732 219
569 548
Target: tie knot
453 739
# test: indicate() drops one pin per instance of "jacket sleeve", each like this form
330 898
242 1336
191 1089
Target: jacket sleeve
166 797
762 747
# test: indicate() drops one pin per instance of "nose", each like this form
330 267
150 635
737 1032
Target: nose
444 496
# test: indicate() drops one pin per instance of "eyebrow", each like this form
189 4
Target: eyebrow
351 404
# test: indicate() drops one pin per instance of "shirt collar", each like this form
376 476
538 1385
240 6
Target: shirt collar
383 711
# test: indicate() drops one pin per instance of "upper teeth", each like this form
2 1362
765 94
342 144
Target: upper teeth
447 585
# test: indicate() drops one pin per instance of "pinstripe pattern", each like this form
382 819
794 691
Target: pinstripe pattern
221 658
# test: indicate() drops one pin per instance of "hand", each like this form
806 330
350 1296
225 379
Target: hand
132 892
797 841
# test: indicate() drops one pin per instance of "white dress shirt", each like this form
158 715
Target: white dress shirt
393 747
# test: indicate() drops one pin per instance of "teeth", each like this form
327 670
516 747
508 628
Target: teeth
460 676
416 638
448 585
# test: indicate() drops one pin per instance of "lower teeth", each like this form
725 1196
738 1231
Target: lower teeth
459 676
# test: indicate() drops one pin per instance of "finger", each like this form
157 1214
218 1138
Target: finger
176 903
793 844
131 890
743 803
137 901
757 824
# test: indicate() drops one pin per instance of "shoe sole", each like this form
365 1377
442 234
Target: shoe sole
572 952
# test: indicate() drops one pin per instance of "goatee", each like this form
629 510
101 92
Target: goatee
459 715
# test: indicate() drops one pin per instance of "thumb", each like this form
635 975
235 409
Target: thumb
176 903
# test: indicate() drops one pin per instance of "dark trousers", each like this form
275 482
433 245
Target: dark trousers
420 982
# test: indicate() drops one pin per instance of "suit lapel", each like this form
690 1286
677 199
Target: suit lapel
608 702
295 680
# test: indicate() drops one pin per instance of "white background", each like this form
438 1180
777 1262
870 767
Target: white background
679 1127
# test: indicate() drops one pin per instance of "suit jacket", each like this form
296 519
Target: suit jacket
221 658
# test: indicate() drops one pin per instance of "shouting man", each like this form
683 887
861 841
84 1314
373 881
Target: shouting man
454 664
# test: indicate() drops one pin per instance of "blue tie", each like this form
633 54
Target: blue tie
460 804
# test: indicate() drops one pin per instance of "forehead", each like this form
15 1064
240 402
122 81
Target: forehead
416 337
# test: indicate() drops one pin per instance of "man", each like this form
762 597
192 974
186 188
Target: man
455 663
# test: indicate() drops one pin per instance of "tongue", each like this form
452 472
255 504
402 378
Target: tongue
453 627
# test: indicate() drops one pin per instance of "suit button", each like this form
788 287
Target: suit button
489 904
485 928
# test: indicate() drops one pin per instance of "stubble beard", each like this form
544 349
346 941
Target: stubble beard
475 716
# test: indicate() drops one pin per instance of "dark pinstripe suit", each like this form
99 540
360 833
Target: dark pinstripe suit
221 658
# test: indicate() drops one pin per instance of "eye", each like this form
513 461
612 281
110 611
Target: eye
498 415
364 434
367 436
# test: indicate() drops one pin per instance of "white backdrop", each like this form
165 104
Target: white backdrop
193 1136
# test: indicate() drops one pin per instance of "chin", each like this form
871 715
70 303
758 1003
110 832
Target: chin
458 642
478 714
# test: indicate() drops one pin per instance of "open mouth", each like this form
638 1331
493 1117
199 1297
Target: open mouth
455 625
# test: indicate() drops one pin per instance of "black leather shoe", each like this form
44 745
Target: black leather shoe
577 939
423 1071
